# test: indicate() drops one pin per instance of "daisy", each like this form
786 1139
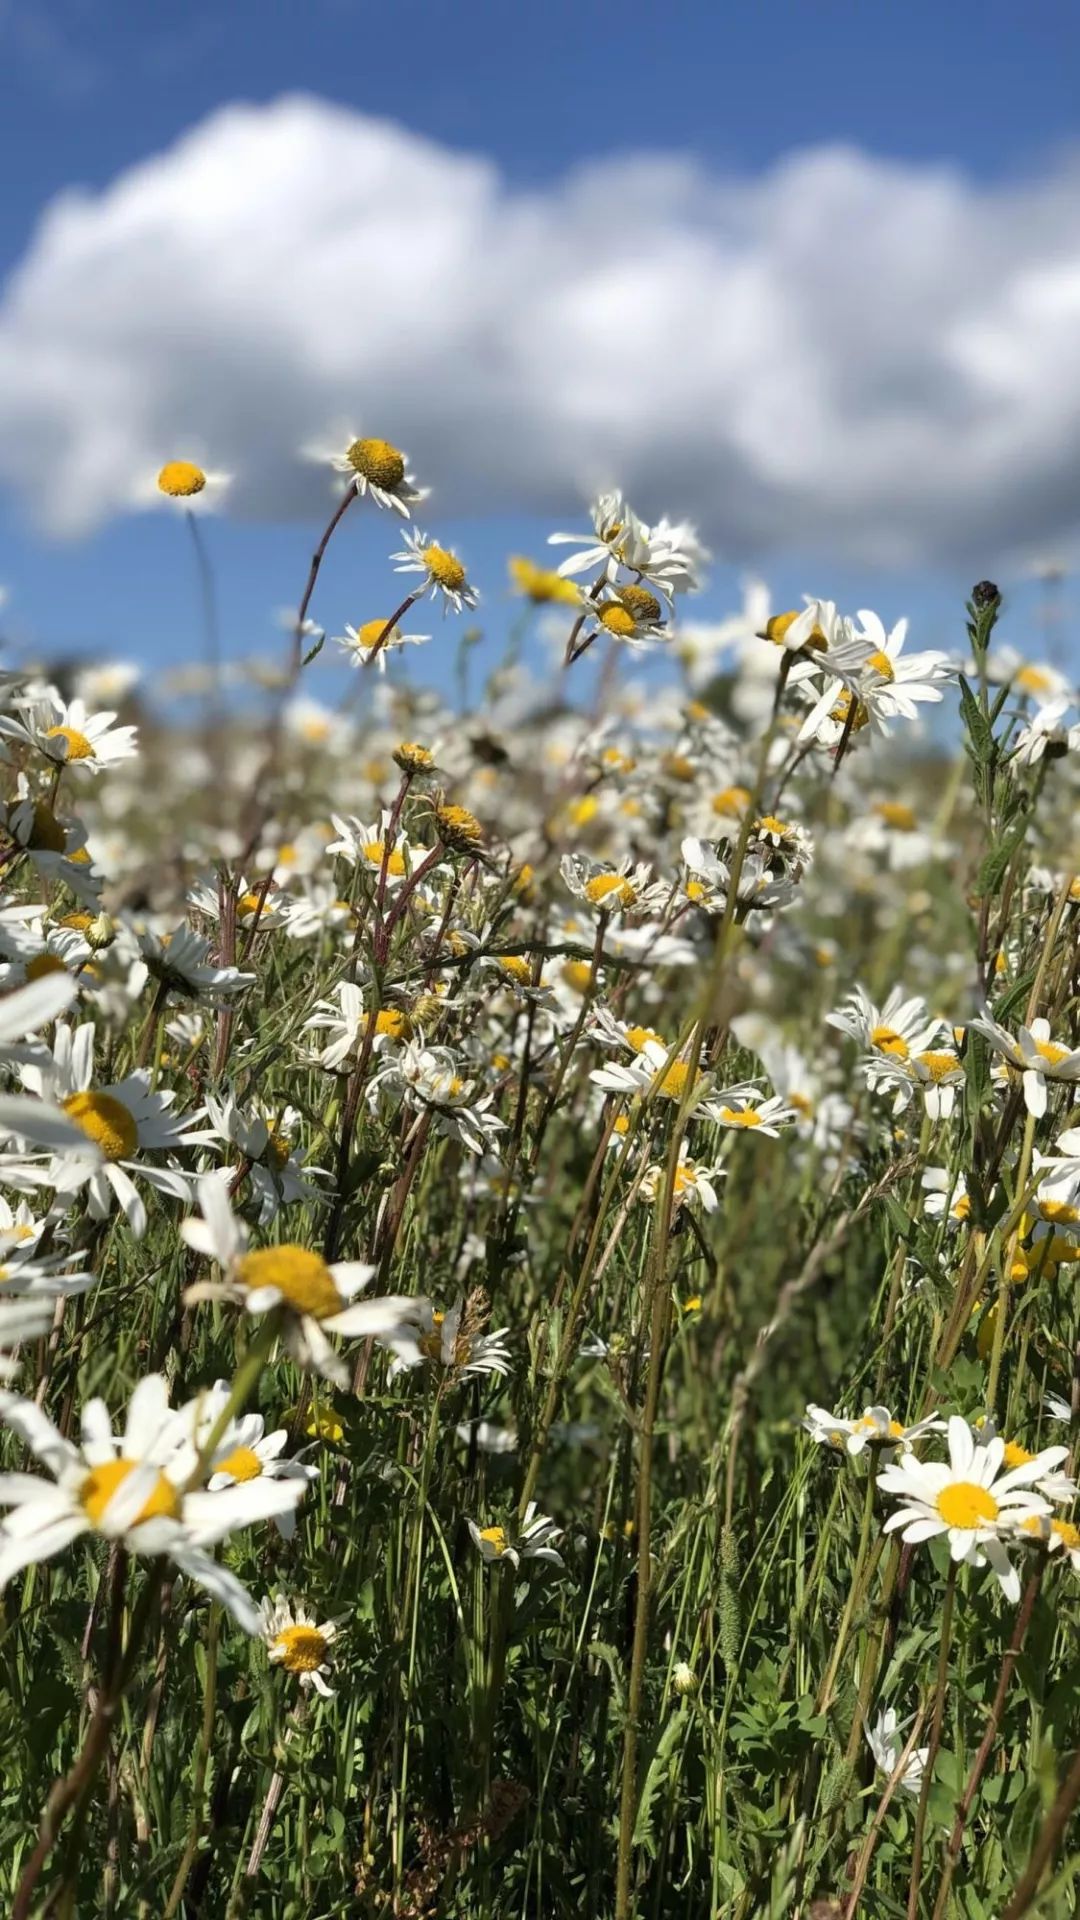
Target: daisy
295 1642
120 1122
693 1183
761 883
885 1740
533 1541
314 1298
540 584
245 1451
1033 1055
934 1073
627 888
373 639
428 1077
742 1108
179 962
1044 731
55 848
67 734
893 1031
869 667
874 1428
818 627
448 1340
375 467
969 1499
345 1021
264 1136
947 1196
365 846
134 1489
662 555
442 570
632 615
1057 1536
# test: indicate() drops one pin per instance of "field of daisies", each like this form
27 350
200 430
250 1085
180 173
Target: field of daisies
538 1295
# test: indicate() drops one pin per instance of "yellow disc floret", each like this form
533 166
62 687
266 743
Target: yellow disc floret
445 568
964 1504
180 479
300 1649
77 744
242 1464
96 1491
106 1121
302 1278
377 462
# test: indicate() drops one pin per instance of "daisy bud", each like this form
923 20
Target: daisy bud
100 933
684 1679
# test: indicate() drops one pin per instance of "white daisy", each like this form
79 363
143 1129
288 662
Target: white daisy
296 1642
444 574
969 1499
373 467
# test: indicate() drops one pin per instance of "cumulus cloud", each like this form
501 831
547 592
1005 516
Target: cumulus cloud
865 358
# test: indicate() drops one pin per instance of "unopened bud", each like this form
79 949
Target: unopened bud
984 593
100 933
684 1679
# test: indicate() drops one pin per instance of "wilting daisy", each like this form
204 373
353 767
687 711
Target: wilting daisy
132 1488
454 1340
443 573
372 466
875 1427
314 1298
633 615
67 734
970 1499
430 1078
627 888
296 1642
1033 1055
532 1541
885 1740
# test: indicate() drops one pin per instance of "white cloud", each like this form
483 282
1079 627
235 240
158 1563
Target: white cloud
864 358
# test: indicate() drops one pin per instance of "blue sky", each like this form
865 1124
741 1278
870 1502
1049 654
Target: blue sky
87 90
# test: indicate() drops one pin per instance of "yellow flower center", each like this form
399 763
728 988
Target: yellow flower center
78 746
740 1117
378 462
301 1277
622 1123
964 1504
374 851
896 814
1015 1455
577 974
842 713
495 1537
243 1464
1033 680
609 890
414 758
618 620
248 904
43 963
517 967
180 479
102 1482
580 812
639 1037
304 1648
541 584
777 629
730 802
887 1040
444 567
879 663
1059 1212
642 604
802 1104
961 1207
769 824
369 633
80 921
389 1021
278 1148
1051 1052
938 1066
673 1084
459 828
106 1121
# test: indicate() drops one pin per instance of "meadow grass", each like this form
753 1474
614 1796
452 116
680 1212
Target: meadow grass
608 1141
